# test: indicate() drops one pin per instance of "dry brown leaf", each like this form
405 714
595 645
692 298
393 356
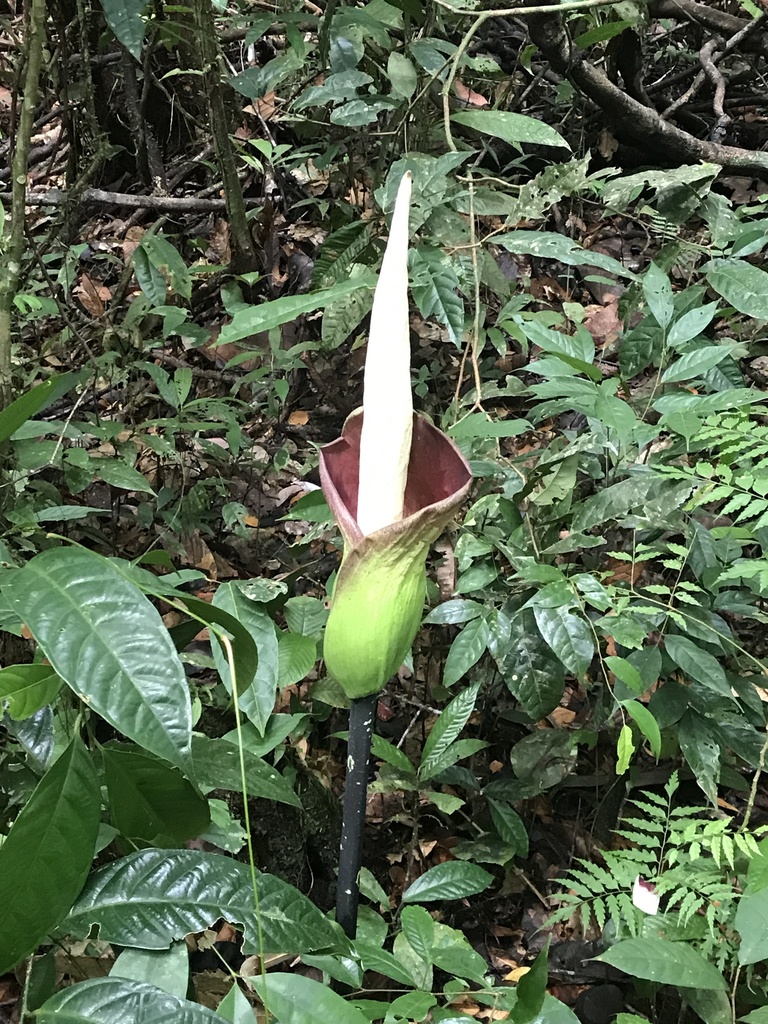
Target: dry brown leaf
93 295
603 322
468 97
516 974
299 418
131 242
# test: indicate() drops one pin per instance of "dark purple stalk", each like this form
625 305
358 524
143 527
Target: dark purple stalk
362 714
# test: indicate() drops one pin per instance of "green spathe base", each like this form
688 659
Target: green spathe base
379 595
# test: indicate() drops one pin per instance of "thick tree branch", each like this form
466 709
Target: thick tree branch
98 197
643 124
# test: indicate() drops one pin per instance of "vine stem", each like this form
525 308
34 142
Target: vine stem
362 714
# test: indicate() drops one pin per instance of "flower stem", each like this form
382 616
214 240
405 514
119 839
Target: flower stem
362 714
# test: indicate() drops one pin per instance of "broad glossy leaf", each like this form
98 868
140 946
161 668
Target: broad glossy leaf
466 650
741 284
752 925
151 898
296 656
452 880
446 729
166 969
532 989
698 664
512 128
47 855
217 766
256 683
235 1008
28 688
568 635
118 1001
294 999
151 802
666 963
530 669
109 644
700 747
696 363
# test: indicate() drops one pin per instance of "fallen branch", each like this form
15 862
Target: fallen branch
641 123
98 197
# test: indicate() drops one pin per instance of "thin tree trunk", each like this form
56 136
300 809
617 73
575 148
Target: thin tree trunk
12 237
206 41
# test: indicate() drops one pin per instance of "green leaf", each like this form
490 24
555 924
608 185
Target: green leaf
294 999
510 826
296 657
152 898
342 318
714 1007
691 324
149 801
46 857
657 292
530 669
434 285
647 724
626 673
741 284
550 244
664 962
532 989
125 19
466 650
696 363
752 925
701 750
33 401
253 319
625 748
445 730
257 682
450 881
166 969
568 635
27 688
165 257
477 424
402 74
109 644
235 1008
118 1001
119 474
698 664
453 612
511 128
419 929
257 81
217 766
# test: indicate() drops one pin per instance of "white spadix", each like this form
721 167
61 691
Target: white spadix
385 442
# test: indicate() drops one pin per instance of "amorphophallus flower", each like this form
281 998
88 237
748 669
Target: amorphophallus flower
393 482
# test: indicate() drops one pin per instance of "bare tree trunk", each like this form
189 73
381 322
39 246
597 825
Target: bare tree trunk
12 236
206 42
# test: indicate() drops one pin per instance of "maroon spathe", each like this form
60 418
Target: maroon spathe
438 475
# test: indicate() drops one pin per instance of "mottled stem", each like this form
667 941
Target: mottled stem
362 714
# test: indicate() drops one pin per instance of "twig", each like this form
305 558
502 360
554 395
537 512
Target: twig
99 197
